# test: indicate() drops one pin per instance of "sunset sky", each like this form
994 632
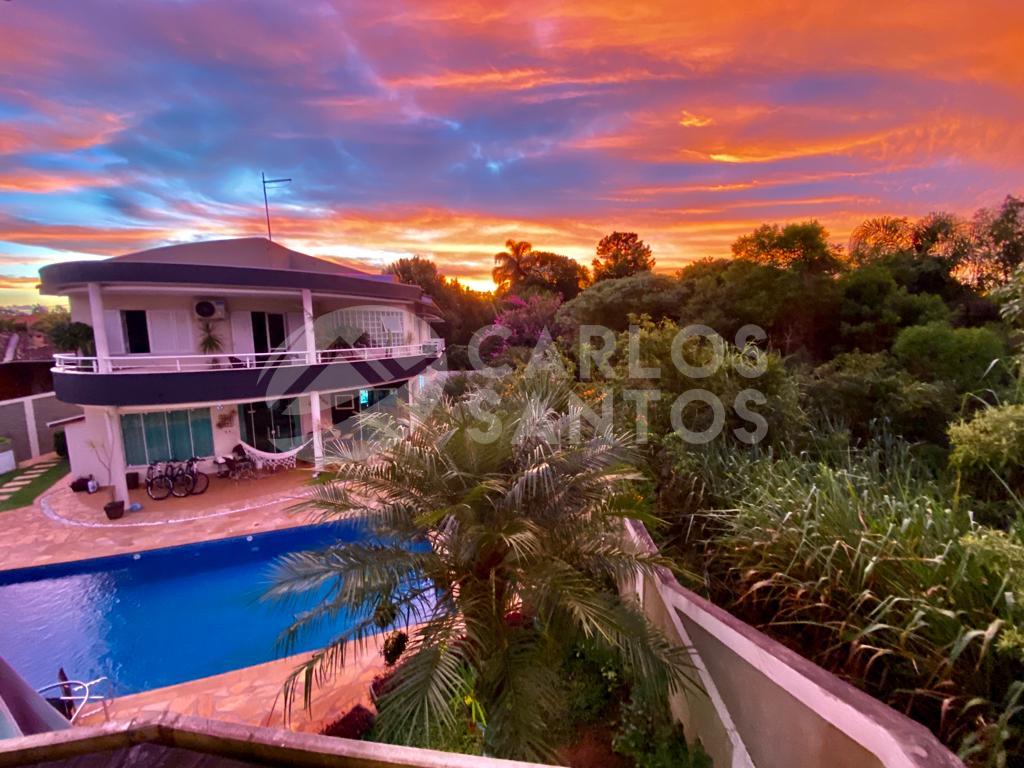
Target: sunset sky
443 128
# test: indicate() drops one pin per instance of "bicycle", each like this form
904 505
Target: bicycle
200 480
186 479
158 484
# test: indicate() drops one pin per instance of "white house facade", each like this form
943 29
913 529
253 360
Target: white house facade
202 346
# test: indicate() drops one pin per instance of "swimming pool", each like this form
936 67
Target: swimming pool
159 617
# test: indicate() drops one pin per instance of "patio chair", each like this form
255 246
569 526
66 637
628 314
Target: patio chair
239 465
24 712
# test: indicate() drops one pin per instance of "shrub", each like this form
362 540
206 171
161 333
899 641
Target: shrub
861 564
610 302
863 390
458 357
354 724
60 443
988 447
648 735
874 308
961 356
592 681
781 411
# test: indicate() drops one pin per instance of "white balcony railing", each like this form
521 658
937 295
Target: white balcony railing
70 363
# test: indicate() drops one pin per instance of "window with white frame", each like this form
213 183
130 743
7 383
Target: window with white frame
383 327
165 435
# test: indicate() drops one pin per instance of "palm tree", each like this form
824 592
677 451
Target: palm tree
513 265
881 236
525 549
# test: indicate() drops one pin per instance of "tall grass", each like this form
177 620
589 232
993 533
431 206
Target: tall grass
859 561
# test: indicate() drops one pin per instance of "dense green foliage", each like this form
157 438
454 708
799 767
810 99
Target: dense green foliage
522 562
960 356
988 451
877 527
610 302
858 560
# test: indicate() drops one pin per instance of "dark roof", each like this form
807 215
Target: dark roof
246 253
252 262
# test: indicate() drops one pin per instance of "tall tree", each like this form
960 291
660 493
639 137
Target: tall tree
942 236
999 243
880 237
465 311
802 247
621 254
558 274
495 554
513 265
522 269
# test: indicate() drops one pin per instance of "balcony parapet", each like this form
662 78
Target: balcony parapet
155 380
146 364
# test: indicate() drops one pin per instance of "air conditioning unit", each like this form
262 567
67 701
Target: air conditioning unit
210 309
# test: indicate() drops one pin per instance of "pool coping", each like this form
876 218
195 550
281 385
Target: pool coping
284 513
20 574
243 695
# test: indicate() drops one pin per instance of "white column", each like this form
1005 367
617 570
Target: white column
307 317
318 434
314 397
115 441
30 426
99 327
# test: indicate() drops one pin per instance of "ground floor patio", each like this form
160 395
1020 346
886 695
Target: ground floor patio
110 444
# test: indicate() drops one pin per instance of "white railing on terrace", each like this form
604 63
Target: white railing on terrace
70 363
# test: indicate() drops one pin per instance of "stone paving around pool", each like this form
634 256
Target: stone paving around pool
252 696
63 526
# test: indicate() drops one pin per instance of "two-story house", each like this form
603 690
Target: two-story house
202 346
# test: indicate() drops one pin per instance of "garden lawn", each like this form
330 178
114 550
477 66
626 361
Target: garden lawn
26 494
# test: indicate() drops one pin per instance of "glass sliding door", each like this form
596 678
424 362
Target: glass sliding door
268 332
272 426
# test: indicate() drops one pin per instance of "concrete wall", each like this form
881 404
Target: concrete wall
760 704
24 419
87 443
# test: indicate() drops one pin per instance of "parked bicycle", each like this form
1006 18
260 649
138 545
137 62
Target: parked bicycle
196 481
186 479
158 484
180 479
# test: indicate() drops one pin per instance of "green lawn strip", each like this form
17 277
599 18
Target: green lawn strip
27 494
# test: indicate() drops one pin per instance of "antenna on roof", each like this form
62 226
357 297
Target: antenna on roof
266 205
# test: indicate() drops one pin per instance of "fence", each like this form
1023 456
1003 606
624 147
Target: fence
24 420
764 705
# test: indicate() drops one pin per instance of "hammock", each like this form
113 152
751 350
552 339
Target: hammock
273 461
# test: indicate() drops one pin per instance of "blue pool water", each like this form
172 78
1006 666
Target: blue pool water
157 618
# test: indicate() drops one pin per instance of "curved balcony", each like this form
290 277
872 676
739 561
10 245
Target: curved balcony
134 380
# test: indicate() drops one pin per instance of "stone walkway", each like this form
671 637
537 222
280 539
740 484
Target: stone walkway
252 696
25 477
64 526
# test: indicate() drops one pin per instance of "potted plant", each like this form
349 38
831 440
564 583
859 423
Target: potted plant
209 342
114 509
